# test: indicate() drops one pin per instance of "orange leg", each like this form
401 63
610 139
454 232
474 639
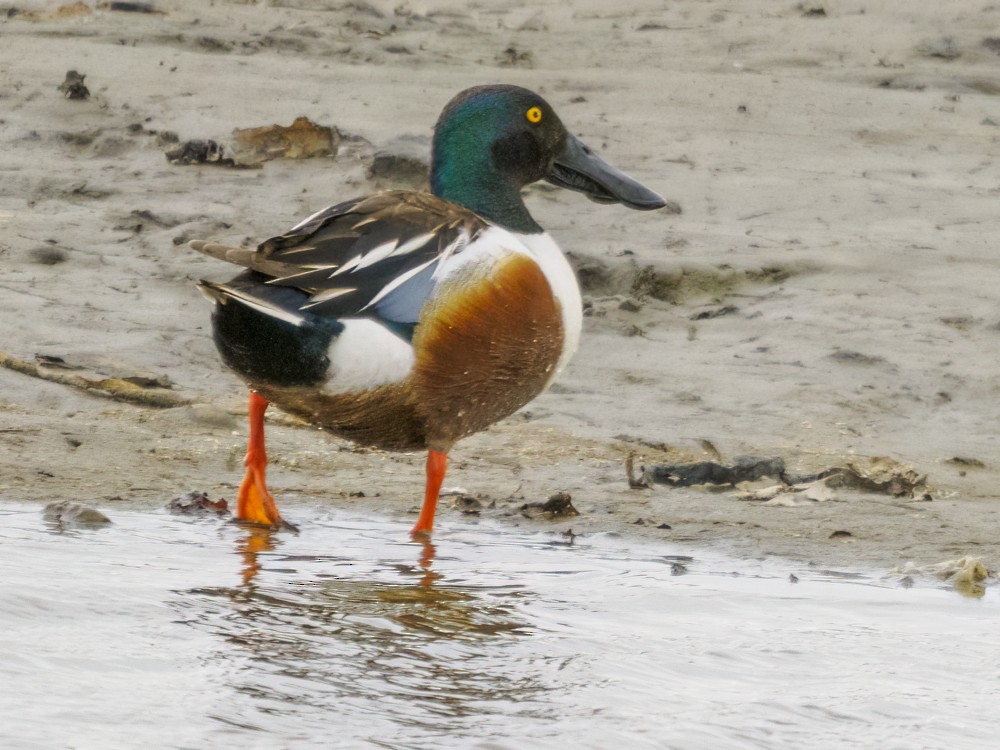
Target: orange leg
437 464
254 503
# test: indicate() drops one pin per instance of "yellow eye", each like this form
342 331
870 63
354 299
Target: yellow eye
534 115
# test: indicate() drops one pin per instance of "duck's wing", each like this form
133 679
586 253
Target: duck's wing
374 256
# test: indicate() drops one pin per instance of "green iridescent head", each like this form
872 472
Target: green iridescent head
492 141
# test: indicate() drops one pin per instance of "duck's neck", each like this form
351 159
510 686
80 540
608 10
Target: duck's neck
465 173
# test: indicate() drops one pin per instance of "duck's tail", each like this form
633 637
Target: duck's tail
260 298
240 256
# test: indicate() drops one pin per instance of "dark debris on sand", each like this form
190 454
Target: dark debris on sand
197 503
73 86
743 469
199 152
878 475
559 505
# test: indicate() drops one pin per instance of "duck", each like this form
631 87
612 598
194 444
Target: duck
408 320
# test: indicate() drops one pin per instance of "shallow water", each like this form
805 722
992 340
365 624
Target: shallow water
168 632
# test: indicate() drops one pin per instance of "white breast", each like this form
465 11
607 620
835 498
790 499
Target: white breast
564 286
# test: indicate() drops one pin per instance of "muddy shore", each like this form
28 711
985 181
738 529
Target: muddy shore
827 295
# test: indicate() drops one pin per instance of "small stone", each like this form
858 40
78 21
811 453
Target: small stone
402 162
68 514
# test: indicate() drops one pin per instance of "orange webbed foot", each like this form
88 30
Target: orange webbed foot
254 503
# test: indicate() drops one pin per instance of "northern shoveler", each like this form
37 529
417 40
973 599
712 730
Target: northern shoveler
409 320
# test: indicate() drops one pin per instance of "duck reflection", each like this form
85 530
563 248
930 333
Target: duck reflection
261 540
425 561
258 540
394 636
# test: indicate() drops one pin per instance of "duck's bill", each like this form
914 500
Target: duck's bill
580 169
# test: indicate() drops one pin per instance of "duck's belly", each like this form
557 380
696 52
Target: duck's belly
385 417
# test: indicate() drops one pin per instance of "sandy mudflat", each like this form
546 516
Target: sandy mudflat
829 293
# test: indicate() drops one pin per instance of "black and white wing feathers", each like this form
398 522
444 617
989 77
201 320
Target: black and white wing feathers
374 256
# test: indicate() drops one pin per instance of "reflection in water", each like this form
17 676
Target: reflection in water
226 637
395 641
258 539
261 539
426 559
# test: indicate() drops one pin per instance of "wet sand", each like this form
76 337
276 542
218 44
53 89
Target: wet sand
827 295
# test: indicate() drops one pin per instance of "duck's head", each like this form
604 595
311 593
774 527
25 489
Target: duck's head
491 141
